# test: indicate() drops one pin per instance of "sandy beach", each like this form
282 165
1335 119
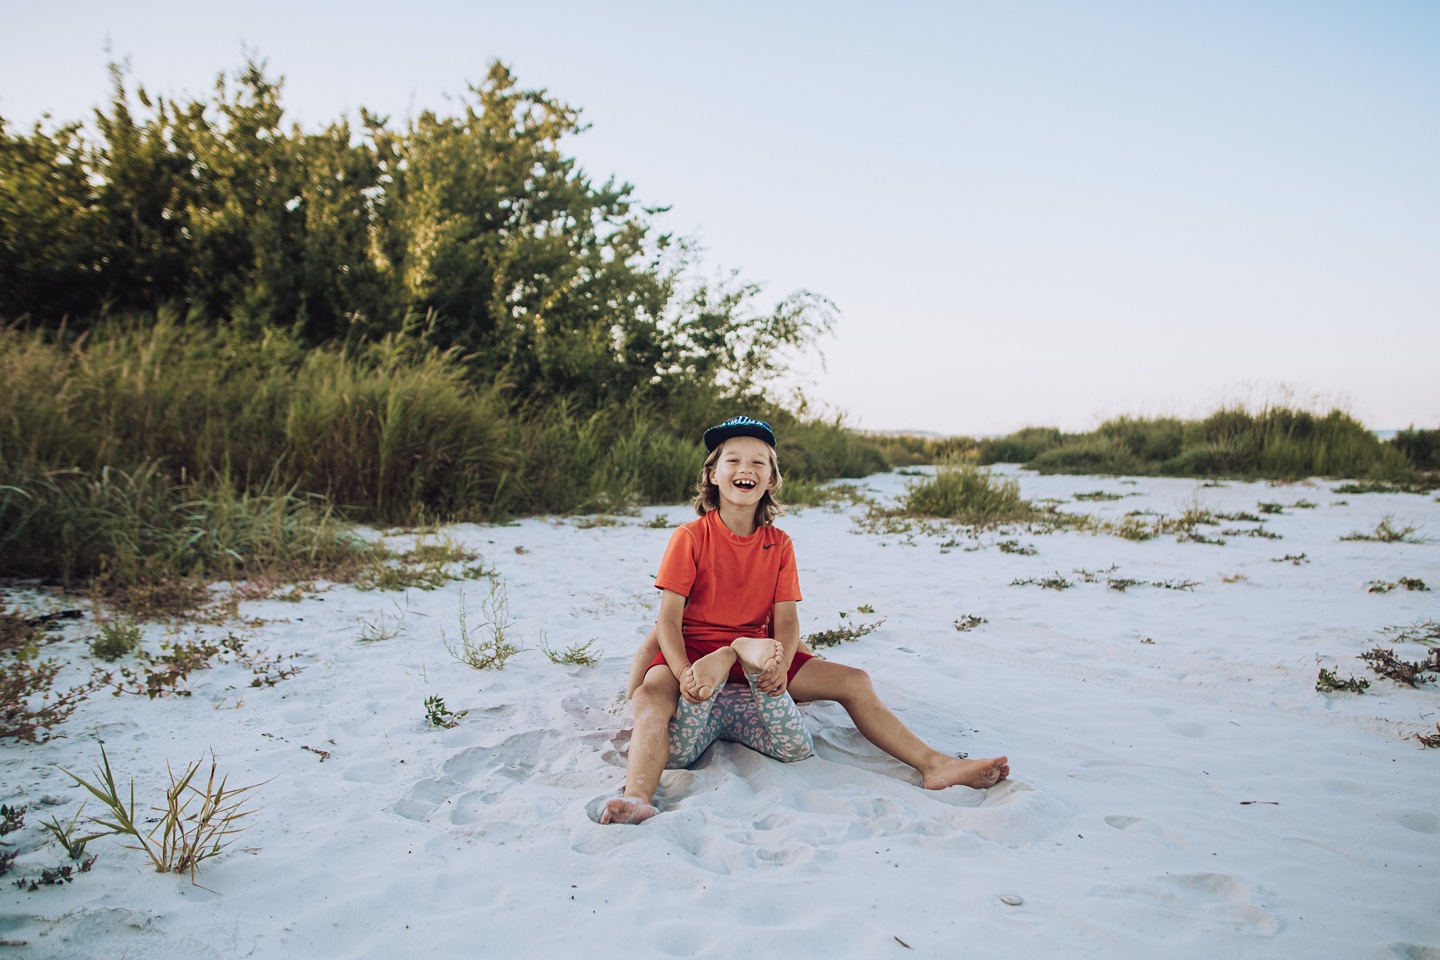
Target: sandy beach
1179 786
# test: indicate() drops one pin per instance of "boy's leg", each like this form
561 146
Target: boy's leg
642 660
654 701
771 725
825 680
693 728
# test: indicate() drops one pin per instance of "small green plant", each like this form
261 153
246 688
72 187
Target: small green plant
1414 583
7 859
1121 584
118 638
1016 547
1304 505
440 716
1386 532
11 819
843 634
969 622
658 522
577 654
1292 558
1380 586
1426 632
1175 584
183 836
1329 682
64 834
1272 508
492 648
865 608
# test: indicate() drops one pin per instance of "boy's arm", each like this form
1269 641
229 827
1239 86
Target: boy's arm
672 641
786 621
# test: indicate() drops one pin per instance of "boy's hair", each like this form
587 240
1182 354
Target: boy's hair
707 494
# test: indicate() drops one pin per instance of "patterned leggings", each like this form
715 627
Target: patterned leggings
771 725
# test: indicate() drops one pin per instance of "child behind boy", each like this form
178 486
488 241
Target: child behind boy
729 590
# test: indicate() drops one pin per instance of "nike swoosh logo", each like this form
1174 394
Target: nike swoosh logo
767 546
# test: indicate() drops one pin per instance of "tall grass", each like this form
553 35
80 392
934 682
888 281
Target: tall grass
1276 442
150 448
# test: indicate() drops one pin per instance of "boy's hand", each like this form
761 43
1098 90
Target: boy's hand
775 680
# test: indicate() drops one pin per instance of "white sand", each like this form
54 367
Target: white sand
1190 797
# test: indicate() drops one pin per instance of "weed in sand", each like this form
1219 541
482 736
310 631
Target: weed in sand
839 635
597 520
21 684
1121 584
1429 739
865 608
969 622
1294 558
1426 632
7 858
1387 532
1380 586
1260 532
494 647
1016 547
11 818
1329 682
64 834
182 837
440 716
1233 578
118 638
658 522
1414 583
577 654
1056 582
161 674
1099 495
379 629
1411 673
1272 508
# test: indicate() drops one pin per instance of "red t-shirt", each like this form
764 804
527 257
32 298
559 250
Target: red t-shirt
731 583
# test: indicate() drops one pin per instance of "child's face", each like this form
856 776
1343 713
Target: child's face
743 473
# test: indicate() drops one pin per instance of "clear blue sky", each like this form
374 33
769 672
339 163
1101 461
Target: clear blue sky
1026 212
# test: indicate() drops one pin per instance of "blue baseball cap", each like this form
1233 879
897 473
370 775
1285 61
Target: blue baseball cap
738 427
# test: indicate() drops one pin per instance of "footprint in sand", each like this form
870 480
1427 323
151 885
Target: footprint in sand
1190 900
1139 826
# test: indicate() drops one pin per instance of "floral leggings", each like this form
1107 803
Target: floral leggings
771 725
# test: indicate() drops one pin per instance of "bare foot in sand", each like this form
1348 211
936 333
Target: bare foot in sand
707 674
955 772
627 810
758 654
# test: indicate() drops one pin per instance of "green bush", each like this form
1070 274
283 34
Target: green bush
962 491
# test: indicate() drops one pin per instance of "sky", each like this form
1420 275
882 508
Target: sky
1027 213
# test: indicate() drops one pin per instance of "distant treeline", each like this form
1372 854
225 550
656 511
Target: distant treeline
1275 443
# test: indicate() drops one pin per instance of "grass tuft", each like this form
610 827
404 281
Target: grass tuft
968 494
184 835
492 647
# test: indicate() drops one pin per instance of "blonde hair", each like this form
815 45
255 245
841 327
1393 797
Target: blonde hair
707 494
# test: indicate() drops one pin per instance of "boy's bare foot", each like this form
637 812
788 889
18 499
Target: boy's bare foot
955 772
627 810
707 674
758 654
